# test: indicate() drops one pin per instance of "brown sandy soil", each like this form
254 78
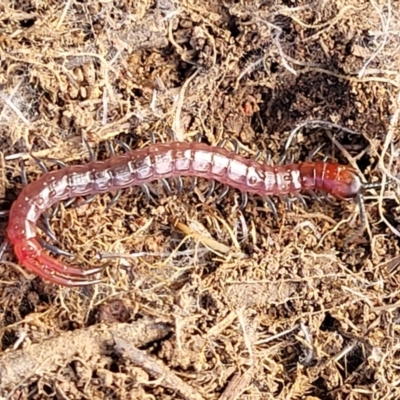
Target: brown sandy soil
218 303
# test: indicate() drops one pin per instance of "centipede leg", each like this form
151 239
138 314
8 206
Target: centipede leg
24 177
172 135
302 200
110 148
245 228
114 199
152 137
327 199
224 192
314 152
236 146
3 248
146 191
282 159
46 229
33 256
233 141
70 281
167 187
268 157
210 190
54 249
271 205
69 202
245 199
59 163
40 163
92 156
88 200
314 196
363 220
179 185
288 202
193 184
124 145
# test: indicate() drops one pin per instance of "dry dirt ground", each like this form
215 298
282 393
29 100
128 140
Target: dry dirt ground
207 301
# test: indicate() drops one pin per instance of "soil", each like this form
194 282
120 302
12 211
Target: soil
219 303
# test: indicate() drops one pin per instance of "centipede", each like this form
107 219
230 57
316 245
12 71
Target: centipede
139 167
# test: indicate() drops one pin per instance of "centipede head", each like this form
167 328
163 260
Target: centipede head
347 184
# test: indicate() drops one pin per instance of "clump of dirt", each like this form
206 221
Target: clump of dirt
218 302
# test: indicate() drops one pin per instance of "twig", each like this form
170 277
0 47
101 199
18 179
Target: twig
385 25
176 124
20 366
165 377
388 142
13 107
238 384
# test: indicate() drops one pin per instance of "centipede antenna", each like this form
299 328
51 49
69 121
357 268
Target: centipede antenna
376 185
271 205
166 186
24 177
224 192
114 199
92 156
210 190
54 249
245 199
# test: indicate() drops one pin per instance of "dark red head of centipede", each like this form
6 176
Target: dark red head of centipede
347 184
340 181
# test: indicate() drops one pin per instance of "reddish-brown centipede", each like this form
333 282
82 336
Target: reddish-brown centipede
159 161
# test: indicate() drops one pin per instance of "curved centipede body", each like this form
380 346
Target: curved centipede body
158 161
